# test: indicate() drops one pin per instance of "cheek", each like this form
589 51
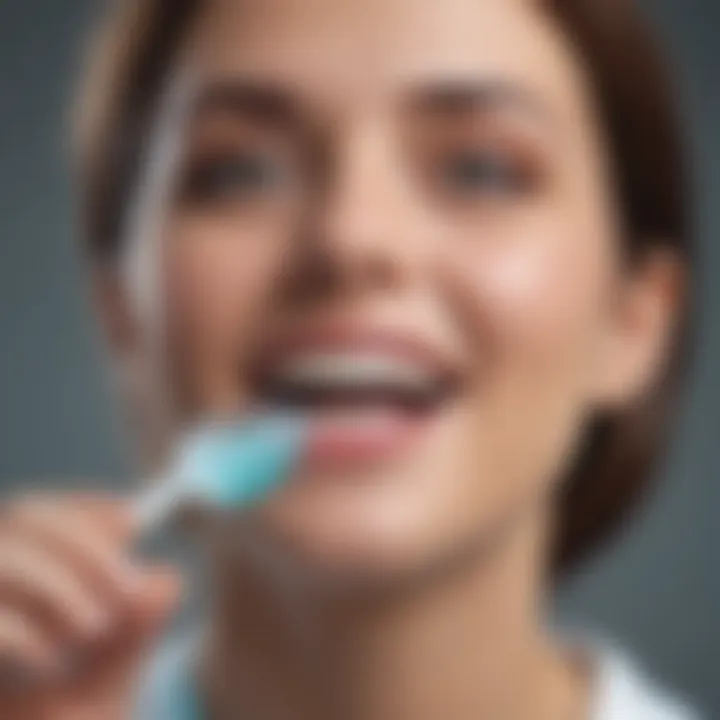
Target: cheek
536 298
217 283
533 304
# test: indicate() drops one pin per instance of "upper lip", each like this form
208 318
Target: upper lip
353 338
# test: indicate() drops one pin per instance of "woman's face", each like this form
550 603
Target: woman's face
395 213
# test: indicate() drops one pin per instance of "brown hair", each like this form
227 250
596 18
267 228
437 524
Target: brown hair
637 115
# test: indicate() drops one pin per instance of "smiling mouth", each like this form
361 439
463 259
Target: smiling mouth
370 392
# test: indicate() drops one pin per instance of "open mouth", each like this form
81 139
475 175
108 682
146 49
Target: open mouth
370 392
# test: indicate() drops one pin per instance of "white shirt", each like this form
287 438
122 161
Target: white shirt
624 692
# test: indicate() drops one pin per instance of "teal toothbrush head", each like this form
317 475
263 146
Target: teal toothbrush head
225 466
239 464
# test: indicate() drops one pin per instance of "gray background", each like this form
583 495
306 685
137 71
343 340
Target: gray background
658 591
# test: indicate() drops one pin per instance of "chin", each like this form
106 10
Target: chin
360 534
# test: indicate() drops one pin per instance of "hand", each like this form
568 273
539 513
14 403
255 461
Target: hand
77 615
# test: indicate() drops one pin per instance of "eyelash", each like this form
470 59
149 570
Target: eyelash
236 177
465 174
472 173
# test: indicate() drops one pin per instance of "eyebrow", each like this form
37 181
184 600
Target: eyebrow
258 101
463 97
275 105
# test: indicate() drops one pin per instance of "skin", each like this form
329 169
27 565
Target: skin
411 588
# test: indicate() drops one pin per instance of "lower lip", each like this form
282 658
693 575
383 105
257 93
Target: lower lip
344 439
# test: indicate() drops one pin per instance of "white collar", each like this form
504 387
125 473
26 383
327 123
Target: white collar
624 692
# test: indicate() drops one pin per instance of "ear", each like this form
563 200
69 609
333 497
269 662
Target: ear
642 322
113 310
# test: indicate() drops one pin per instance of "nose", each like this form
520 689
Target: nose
362 232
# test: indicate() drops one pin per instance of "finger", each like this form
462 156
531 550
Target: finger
24 648
162 593
74 536
35 580
116 660
111 515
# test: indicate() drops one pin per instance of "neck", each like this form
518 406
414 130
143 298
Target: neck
468 644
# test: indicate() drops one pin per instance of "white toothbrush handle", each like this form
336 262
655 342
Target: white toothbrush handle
159 502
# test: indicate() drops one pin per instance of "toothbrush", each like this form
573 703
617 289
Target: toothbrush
225 466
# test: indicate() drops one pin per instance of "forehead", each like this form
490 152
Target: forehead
343 53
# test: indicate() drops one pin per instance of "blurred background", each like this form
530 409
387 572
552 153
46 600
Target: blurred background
657 590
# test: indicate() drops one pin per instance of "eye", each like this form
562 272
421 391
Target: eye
472 172
239 176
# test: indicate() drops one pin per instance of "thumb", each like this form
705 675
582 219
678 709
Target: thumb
116 667
158 598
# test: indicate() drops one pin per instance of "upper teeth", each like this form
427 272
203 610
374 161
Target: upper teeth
351 369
